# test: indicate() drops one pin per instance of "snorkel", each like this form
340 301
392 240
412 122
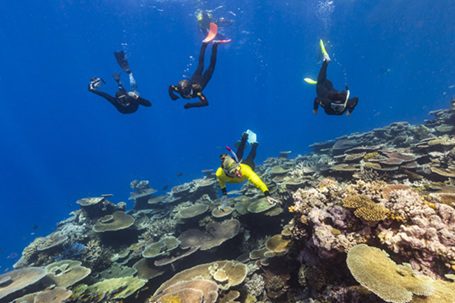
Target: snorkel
233 155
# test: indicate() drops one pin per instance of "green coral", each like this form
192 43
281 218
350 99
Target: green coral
109 290
371 155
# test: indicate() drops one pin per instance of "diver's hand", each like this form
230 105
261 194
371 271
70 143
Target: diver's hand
223 202
171 93
133 95
95 83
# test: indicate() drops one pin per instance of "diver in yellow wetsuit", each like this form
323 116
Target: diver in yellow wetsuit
232 170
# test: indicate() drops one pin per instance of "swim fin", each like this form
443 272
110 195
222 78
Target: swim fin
310 81
324 51
252 137
212 33
122 61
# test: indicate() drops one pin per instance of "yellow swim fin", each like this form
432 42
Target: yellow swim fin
324 51
310 81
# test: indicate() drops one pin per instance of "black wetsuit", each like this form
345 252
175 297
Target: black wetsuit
198 81
251 156
123 102
329 98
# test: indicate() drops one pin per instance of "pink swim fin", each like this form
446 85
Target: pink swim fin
212 33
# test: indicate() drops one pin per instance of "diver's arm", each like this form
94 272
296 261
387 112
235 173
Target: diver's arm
202 98
144 102
254 178
106 96
202 102
221 181
172 89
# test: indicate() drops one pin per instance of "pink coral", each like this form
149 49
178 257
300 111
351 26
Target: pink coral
329 221
428 236
424 235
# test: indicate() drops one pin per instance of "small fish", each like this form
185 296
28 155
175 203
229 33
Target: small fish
179 174
165 187
35 227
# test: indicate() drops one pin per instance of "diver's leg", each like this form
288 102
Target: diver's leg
133 84
122 61
209 72
116 77
200 67
196 104
241 148
251 156
323 72
108 97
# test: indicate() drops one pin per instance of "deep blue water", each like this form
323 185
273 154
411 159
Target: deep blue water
60 143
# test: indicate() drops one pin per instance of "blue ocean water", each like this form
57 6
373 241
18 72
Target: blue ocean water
61 143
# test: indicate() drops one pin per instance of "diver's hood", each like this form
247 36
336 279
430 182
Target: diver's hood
185 87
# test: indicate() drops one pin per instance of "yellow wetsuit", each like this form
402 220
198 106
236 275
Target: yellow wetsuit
247 174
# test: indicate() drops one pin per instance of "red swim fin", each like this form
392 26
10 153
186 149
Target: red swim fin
212 33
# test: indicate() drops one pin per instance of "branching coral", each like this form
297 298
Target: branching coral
255 285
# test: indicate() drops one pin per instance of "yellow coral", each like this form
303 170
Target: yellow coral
277 244
335 231
374 270
293 209
365 208
371 155
356 201
372 213
396 217
171 299
429 204
250 299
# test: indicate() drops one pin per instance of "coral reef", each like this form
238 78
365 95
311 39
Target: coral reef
367 217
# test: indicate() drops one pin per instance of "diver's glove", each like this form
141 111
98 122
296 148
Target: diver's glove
224 191
95 83
133 95
224 202
171 92
267 193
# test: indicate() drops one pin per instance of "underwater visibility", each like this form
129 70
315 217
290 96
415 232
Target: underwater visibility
206 151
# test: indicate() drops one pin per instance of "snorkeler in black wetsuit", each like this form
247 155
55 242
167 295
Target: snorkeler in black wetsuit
192 88
332 101
126 102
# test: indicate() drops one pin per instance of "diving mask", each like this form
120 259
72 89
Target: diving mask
231 167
